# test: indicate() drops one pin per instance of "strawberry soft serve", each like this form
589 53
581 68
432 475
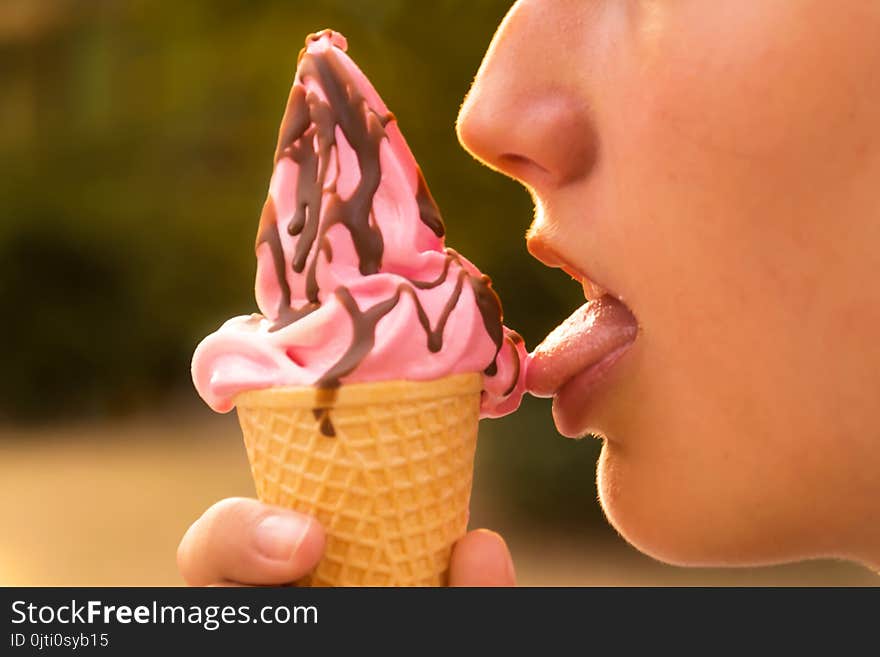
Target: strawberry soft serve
353 281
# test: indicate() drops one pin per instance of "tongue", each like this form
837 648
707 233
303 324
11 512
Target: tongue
589 334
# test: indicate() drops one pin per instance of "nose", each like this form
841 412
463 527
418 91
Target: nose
527 113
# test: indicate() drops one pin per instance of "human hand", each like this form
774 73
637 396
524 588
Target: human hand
241 541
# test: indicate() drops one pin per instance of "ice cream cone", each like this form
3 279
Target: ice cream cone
391 482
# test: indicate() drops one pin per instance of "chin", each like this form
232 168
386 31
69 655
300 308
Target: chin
661 515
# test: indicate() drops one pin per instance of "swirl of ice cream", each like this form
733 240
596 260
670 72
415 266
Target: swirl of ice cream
353 280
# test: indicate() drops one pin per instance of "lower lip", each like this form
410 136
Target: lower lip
571 401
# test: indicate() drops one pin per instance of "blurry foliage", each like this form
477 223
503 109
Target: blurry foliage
136 143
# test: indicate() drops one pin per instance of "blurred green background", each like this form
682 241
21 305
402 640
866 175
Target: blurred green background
137 146
136 143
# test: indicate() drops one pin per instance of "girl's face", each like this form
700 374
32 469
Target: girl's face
715 166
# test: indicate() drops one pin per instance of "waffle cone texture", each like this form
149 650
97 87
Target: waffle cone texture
391 487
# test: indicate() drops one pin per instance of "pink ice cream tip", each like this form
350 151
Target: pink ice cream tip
354 282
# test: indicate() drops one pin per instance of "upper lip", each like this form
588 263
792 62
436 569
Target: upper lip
543 249
552 258
592 289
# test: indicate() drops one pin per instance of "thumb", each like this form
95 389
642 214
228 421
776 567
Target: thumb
481 558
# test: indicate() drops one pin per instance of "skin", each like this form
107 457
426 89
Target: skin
718 172
241 542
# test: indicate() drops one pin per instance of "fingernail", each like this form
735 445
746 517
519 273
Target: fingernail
279 537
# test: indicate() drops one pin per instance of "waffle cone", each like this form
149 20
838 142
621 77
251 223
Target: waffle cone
391 487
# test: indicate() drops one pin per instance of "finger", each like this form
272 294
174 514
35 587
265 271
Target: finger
481 558
242 540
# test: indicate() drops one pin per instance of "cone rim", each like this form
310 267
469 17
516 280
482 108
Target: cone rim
359 394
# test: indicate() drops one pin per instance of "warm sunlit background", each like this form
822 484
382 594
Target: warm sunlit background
136 143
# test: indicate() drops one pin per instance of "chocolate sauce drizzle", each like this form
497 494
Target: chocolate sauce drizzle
429 213
307 136
515 339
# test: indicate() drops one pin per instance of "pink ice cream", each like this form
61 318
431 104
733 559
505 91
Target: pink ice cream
354 283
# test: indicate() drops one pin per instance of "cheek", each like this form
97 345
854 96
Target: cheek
751 79
724 171
722 179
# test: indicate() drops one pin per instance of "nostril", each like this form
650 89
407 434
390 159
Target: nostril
522 168
514 160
